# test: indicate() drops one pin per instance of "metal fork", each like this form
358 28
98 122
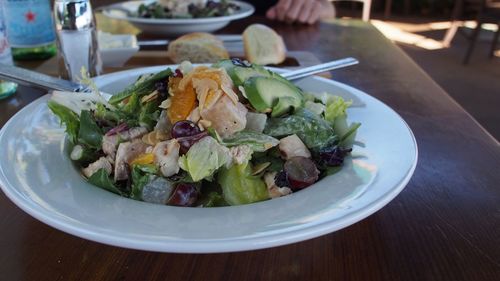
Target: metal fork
322 67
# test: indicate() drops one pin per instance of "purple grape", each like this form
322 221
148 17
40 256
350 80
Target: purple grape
187 142
240 62
184 195
178 73
333 156
301 172
281 179
184 128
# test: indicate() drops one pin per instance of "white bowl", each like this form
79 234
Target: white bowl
38 176
174 27
116 50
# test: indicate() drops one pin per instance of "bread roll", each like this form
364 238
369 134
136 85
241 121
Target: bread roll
197 48
263 45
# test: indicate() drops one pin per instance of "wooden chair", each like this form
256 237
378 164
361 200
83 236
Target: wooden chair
463 10
367 5
388 8
489 13
482 11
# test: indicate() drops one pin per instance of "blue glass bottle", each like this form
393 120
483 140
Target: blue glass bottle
30 28
6 88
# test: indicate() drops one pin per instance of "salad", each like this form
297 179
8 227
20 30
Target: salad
168 9
229 134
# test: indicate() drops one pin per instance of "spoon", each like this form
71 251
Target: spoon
31 78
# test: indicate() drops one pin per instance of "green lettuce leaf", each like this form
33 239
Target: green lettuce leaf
336 115
272 156
204 158
336 107
256 141
133 105
313 130
240 187
90 133
68 118
142 88
141 175
103 180
111 117
77 102
149 114
213 199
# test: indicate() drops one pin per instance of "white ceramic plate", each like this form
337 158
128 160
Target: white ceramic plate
174 27
37 175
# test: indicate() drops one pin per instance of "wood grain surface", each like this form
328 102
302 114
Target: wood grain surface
445 225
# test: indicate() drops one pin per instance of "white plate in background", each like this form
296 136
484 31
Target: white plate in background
177 26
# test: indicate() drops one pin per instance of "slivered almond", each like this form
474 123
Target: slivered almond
150 97
260 168
194 116
165 104
205 123
216 95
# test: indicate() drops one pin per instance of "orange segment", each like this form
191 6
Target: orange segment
214 75
183 101
145 158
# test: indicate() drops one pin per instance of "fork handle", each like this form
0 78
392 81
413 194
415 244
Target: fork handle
36 79
303 72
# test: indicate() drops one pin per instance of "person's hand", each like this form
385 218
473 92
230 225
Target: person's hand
303 11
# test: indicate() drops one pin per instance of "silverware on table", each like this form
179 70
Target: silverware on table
322 67
40 80
226 38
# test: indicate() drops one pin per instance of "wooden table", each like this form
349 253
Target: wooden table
444 226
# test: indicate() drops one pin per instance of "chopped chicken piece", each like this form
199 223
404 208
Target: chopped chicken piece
292 146
101 163
110 142
133 133
274 190
167 156
227 117
110 159
127 151
240 153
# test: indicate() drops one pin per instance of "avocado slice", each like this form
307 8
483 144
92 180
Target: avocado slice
283 105
240 72
269 94
227 65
